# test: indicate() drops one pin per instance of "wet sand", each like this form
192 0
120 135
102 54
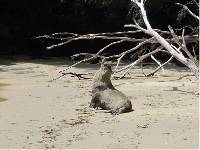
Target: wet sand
36 113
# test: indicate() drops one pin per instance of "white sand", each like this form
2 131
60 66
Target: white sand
35 113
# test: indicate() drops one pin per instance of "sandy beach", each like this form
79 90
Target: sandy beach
36 113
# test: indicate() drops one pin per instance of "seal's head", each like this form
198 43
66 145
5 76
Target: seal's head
102 78
106 69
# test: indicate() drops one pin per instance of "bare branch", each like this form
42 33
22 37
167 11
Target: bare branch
189 11
92 37
109 45
158 68
182 46
78 75
158 63
120 56
64 33
79 62
128 67
137 26
73 74
194 1
136 47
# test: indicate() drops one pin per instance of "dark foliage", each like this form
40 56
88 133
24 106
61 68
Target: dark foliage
23 19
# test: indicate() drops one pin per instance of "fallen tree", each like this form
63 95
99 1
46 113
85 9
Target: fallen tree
163 41
175 51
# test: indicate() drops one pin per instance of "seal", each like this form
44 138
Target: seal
105 96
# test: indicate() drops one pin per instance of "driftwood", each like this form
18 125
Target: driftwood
172 49
80 76
174 45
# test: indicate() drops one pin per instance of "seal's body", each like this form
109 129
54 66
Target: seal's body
105 96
